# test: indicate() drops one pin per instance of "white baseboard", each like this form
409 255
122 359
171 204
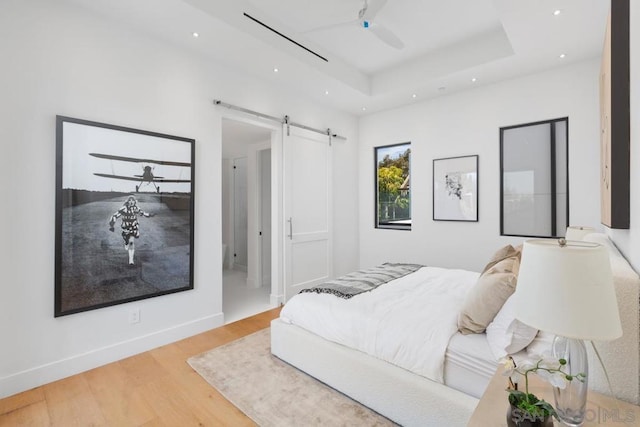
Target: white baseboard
44 374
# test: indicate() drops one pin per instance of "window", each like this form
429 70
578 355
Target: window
534 194
393 193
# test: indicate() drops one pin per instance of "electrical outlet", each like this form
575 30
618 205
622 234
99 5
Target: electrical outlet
134 315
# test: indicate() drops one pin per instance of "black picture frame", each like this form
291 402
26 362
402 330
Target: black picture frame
455 189
124 224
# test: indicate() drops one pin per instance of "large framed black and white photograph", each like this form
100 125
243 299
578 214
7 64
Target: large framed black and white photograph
124 215
455 189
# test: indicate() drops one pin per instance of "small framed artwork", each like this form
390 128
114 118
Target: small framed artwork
124 215
455 189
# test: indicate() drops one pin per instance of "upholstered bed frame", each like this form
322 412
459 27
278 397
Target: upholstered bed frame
396 393
622 356
412 400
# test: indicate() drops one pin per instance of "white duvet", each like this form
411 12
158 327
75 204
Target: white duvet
407 322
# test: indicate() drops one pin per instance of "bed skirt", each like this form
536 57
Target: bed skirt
404 397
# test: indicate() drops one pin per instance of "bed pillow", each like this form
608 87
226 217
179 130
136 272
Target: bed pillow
504 252
541 346
506 334
486 297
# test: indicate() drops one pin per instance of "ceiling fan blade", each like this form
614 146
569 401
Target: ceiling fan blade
372 7
386 36
331 26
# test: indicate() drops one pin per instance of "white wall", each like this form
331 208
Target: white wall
468 123
628 241
59 59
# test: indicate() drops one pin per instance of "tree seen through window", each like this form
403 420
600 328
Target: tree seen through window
393 193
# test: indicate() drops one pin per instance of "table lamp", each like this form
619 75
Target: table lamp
566 288
577 232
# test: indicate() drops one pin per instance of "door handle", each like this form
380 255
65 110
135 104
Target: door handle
290 228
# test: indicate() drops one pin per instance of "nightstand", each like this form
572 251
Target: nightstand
601 410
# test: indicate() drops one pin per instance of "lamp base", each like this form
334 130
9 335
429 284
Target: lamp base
571 401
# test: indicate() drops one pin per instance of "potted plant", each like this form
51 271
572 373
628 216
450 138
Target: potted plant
527 410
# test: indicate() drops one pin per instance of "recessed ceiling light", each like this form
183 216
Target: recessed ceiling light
557 12
414 96
474 79
326 92
364 108
275 70
562 56
195 35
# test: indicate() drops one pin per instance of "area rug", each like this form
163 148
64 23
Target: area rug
274 393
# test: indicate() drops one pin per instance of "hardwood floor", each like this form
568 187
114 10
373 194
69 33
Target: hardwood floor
156 388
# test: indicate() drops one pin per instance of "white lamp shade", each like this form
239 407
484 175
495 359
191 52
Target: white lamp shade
575 232
567 290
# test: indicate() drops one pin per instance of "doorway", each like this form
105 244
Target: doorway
246 219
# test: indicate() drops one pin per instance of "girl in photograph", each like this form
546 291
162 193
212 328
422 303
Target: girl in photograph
130 227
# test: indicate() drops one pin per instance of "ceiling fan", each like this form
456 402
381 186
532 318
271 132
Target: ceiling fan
365 20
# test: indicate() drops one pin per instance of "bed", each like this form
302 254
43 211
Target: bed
423 354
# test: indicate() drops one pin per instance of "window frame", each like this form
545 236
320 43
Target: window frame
554 233
386 225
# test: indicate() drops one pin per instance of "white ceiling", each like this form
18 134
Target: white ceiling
447 42
424 26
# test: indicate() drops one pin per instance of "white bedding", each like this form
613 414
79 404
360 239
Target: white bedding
407 322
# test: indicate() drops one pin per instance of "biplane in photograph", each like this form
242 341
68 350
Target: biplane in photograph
147 177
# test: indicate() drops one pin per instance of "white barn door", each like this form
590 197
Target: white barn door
307 206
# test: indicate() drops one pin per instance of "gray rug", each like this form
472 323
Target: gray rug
273 393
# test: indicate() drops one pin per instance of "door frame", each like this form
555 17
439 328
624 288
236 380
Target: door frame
233 248
254 207
277 208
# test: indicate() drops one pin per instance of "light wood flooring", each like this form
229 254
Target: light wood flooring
156 388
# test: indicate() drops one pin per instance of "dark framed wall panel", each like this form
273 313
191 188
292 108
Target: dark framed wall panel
615 119
534 179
